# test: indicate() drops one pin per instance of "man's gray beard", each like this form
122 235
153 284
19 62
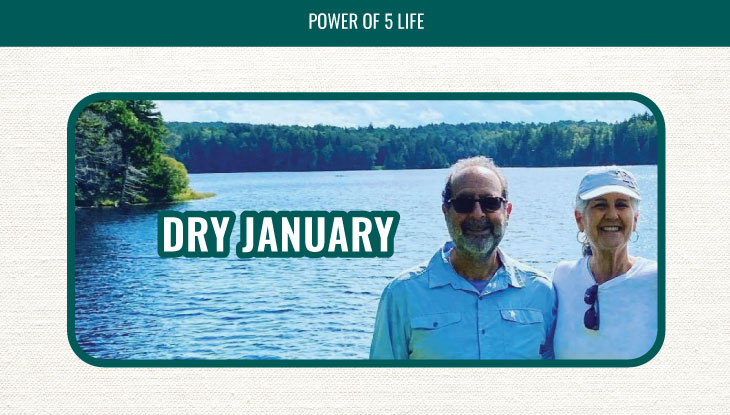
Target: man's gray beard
475 246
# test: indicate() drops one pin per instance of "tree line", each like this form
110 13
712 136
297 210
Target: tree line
126 154
239 147
120 160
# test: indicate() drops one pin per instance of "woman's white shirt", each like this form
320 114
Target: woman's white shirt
627 310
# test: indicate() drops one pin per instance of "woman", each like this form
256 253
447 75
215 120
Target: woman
607 300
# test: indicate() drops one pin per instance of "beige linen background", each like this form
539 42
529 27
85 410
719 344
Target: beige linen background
40 373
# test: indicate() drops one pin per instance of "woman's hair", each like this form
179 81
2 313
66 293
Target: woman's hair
581 205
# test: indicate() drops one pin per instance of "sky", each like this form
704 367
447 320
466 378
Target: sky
398 113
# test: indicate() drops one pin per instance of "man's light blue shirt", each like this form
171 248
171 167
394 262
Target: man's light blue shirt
434 313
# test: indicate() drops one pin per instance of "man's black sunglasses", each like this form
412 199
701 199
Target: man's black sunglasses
465 204
591 319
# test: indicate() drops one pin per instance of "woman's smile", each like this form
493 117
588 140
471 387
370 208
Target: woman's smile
609 221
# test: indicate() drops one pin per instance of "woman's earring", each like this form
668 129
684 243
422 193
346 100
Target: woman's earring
637 236
581 237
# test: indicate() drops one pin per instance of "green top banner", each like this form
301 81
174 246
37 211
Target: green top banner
372 23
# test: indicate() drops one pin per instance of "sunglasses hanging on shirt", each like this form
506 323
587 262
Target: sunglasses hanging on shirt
591 319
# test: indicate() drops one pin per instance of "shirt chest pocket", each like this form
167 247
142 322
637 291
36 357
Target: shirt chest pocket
435 321
523 332
435 336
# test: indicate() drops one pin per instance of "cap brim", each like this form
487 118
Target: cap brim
600 191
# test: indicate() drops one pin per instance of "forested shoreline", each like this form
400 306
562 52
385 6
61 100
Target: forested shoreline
125 153
119 157
219 147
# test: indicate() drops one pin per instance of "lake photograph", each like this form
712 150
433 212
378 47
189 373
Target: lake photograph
135 159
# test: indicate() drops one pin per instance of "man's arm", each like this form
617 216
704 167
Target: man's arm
389 340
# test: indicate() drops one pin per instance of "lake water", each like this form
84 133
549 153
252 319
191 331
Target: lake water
132 304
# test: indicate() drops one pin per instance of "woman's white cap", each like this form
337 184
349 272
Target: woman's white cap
610 179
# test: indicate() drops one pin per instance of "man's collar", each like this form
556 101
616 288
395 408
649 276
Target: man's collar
515 278
445 273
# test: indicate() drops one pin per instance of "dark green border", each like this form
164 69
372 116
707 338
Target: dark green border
661 227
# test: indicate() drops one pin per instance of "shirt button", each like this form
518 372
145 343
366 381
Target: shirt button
435 324
484 331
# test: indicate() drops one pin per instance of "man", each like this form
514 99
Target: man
471 301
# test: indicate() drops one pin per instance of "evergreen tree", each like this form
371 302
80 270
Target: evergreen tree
118 157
